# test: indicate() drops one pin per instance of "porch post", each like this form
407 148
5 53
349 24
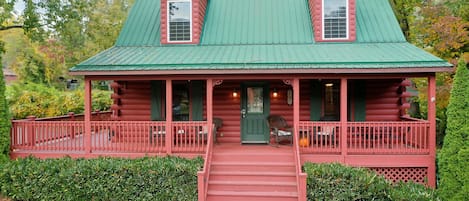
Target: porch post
169 116
343 117
209 97
432 131
88 105
296 107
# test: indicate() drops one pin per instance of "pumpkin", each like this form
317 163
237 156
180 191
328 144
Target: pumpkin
304 142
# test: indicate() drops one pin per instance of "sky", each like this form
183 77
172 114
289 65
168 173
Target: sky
19 6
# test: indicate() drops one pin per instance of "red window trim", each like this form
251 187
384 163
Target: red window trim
317 20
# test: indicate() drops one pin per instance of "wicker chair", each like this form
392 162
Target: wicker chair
279 129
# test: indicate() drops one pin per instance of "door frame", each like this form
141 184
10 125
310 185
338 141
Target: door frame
266 110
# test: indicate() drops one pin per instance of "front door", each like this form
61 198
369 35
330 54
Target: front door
255 107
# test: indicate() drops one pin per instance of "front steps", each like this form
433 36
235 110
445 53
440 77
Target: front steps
252 172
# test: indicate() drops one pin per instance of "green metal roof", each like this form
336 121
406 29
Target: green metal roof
257 22
142 27
338 55
261 34
376 22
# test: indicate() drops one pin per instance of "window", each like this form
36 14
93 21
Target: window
335 19
255 100
331 100
179 21
181 102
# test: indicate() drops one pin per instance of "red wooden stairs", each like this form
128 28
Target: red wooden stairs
252 172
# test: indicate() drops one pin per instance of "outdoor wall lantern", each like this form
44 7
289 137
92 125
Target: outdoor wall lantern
275 93
290 97
235 93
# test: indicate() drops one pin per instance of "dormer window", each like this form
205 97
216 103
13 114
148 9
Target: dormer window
179 20
335 19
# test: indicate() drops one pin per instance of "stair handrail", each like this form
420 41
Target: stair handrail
202 176
300 175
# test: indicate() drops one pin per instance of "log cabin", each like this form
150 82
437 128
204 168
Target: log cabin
206 77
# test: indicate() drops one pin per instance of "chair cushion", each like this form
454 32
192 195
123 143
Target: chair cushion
284 133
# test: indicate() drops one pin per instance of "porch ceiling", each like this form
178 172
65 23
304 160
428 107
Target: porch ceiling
354 56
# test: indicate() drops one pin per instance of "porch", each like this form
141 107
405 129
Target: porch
354 121
140 138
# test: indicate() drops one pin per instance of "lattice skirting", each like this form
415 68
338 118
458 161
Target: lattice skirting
405 174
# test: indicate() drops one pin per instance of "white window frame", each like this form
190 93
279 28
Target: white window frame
167 21
347 15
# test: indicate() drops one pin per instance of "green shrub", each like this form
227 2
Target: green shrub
338 182
44 101
4 117
168 178
453 163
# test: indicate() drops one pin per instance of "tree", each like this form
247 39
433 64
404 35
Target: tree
440 32
4 118
404 11
5 13
5 9
453 160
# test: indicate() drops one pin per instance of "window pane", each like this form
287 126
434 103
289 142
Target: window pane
335 19
255 100
179 21
180 102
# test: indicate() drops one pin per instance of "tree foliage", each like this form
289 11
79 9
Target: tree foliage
439 31
404 10
4 118
453 160
5 13
43 101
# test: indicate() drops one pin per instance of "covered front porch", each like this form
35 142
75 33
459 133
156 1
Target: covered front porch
331 128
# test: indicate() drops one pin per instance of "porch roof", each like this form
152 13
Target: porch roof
403 57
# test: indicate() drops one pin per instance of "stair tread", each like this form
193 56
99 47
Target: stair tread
254 173
243 153
265 183
254 193
253 163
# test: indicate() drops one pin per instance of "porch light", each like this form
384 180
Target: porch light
329 84
235 93
275 93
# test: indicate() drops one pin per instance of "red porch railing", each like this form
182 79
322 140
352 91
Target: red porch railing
203 176
301 176
319 137
401 137
128 136
47 135
190 136
95 116
109 136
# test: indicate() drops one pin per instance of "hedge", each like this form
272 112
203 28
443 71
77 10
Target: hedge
4 117
453 159
168 178
338 182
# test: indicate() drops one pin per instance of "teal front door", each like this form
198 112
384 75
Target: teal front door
255 107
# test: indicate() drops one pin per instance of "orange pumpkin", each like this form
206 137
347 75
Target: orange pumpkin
304 142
